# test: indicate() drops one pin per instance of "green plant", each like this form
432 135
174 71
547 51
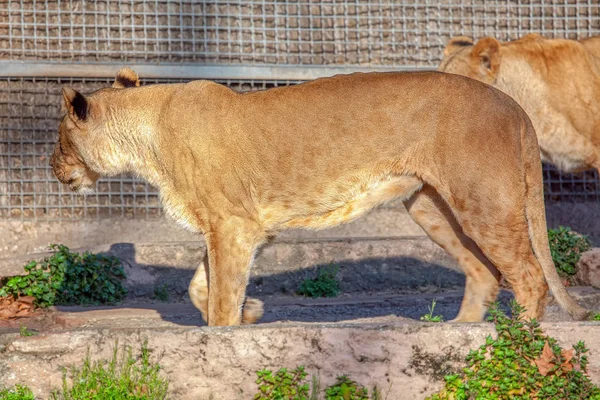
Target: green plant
291 385
25 332
19 392
595 317
521 363
122 377
315 388
324 285
283 385
566 247
161 293
377 394
70 278
429 317
346 389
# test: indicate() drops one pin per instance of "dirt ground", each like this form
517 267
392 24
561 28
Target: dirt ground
281 309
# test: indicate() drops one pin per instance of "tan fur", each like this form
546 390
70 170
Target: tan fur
126 78
239 168
556 81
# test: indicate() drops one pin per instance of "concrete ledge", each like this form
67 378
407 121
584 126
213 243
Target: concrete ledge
408 359
19 238
25 237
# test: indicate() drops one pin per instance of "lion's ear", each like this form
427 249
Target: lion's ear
126 78
76 104
457 43
487 53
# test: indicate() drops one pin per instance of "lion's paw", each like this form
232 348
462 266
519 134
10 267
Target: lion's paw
253 311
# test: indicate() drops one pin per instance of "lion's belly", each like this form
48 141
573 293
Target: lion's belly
565 148
349 205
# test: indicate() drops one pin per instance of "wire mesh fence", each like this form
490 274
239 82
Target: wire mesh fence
406 34
29 118
30 110
398 33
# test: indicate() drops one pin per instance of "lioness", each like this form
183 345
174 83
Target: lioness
557 82
240 167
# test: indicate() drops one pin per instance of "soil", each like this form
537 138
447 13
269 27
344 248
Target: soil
281 309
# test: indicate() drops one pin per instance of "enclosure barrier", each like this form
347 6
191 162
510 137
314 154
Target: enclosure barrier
248 45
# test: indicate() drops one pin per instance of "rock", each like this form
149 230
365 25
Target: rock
588 268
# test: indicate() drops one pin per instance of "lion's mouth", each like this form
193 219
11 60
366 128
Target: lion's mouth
78 182
81 189
78 186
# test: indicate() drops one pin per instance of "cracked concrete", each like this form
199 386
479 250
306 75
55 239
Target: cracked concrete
374 338
406 358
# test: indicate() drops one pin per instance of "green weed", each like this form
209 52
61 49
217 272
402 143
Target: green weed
25 332
346 389
521 363
69 278
161 293
566 247
122 377
292 385
429 317
19 392
282 385
324 285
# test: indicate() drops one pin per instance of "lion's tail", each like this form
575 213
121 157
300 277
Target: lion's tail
536 217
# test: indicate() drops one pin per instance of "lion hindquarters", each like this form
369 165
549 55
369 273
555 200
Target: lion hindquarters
499 227
431 212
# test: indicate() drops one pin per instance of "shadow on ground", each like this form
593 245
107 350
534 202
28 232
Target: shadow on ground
371 288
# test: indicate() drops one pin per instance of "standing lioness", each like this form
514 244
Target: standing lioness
241 167
556 81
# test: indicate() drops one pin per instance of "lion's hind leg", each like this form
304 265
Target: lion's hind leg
500 229
430 211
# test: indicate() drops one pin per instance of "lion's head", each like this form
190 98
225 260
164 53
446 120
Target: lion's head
70 160
479 60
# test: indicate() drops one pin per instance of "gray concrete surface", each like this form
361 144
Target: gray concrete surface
17 238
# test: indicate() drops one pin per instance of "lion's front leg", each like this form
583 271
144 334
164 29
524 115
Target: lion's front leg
198 291
219 286
198 288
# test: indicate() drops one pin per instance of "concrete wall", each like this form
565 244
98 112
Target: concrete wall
20 238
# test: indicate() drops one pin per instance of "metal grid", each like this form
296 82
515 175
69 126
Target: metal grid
29 119
235 34
561 187
357 32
